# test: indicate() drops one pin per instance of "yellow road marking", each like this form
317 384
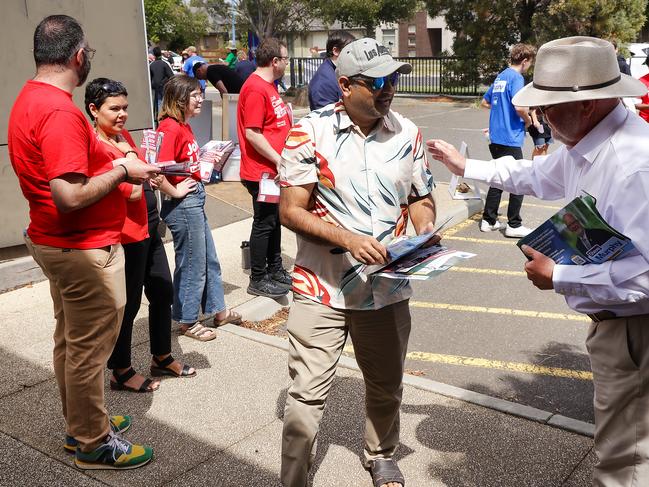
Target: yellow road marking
476 270
479 240
500 311
493 364
500 365
536 205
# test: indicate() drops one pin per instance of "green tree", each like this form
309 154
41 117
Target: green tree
173 22
486 29
367 13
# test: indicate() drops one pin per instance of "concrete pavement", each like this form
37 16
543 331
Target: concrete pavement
223 427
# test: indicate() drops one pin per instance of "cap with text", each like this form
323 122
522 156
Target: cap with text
367 57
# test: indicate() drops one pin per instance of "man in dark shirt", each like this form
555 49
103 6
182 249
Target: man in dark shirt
323 87
244 68
160 72
221 76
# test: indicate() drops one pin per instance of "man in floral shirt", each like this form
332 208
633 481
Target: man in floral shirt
351 173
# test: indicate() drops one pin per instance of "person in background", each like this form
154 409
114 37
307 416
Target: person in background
263 121
507 124
76 214
146 261
245 67
621 62
323 87
197 277
188 65
231 59
224 79
540 132
160 73
643 105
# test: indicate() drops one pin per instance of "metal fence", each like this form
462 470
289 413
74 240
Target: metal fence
430 75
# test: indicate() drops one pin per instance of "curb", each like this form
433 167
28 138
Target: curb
526 412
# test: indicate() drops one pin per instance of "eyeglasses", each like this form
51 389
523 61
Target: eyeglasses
197 96
284 58
113 87
378 84
544 109
90 52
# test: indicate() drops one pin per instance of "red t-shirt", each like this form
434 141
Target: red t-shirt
50 137
179 145
136 223
645 99
260 106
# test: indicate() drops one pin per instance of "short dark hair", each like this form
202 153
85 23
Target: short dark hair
157 52
56 40
269 48
101 88
338 39
521 52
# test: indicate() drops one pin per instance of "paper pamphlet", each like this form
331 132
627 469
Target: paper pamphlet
577 235
460 188
268 189
423 263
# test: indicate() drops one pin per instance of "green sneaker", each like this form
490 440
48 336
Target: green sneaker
115 453
118 424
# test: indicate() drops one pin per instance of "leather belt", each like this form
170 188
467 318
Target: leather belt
610 315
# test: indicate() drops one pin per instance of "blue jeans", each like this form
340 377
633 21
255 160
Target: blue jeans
197 278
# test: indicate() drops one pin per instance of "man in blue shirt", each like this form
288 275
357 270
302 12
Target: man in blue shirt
507 124
323 87
188 67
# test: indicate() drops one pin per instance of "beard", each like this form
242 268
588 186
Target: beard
83 71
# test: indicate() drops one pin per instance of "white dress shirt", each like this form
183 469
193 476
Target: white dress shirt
611 163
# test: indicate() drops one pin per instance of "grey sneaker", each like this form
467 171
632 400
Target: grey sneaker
283 277
268 288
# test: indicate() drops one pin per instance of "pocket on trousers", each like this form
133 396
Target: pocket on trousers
103 255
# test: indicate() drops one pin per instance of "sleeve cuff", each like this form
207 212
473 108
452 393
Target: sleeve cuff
479 170
566 280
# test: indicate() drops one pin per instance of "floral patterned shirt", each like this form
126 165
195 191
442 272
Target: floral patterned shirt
362 184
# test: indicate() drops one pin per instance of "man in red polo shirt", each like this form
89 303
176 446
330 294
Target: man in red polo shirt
263 122
76 214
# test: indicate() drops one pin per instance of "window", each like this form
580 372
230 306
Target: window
412 53
412 29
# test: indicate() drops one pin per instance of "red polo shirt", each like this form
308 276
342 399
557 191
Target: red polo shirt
50 137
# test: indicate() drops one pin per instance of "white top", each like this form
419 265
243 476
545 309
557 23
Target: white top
611 163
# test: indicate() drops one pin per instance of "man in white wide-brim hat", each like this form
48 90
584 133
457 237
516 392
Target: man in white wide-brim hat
577 85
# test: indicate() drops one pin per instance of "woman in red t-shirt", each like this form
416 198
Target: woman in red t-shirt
197 277
146 263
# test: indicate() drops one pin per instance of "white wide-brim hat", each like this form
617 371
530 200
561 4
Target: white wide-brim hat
577 69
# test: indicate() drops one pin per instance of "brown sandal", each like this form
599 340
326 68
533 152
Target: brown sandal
232 317
200 333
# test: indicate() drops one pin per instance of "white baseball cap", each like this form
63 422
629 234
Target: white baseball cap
368 58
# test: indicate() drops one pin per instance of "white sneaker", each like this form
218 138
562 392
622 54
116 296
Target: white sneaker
518 232
486 227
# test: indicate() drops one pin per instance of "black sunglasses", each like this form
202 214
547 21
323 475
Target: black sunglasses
113 87
377 84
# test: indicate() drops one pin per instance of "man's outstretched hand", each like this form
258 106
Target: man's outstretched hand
447 155
539 268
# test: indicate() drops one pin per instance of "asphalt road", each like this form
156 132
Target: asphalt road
483 326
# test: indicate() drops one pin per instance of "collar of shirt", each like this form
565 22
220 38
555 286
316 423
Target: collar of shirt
345 122
591 145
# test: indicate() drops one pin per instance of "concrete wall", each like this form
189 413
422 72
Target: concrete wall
115 29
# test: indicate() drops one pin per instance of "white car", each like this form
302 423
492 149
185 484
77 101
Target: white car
637 60
177 65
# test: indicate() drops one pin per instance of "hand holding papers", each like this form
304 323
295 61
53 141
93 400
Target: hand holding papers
268 189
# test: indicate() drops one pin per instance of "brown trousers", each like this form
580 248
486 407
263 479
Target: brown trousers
619 356
317 335
89 294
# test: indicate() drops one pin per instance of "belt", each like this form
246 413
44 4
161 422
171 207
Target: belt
609 315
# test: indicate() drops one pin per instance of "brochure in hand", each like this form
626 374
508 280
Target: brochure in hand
577 235
424 263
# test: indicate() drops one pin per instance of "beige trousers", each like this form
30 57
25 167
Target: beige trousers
88 288
619 356
317 334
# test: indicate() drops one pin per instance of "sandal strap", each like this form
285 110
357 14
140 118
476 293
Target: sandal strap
186 369
164 362
121 378
384 471
145 385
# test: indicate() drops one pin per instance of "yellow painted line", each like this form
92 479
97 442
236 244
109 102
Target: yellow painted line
493 364
500 365
500 311
460 226
480 240
536 205
498 272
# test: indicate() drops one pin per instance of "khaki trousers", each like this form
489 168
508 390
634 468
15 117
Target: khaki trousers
619 356
317 334
89 293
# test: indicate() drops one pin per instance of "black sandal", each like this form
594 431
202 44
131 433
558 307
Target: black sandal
161 368
119 383
384 471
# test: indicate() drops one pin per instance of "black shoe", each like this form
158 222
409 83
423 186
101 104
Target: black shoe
268 288
282 276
